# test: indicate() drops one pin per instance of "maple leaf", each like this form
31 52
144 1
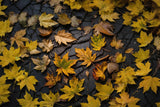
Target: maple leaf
2 46
73 4
18 38
87 5
135 7
64 19
46 45
49 100
149 15
124 101
97 42
104 27
157 42
51 80
64 65
104 91
54 2
41 64
91 102
32 21
120 58
157 2
86 56
116 43
46 20
110 16
124 77
139 25
5 27
28 101
144 40
75 21
28 81
99 70
149 82
127 18
141 55
4 93
63 37
144 68
13 72
9 56
2 8
75 88
31 47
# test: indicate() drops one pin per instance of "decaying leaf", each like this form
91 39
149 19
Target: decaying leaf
44 32
51 80
18 38
75 21
13 18
157 42
22 18
64 37
86 56
104 90
98 71
64 19
41 64
46 45
32 21
87 29
144 40
74 89
97 42
116 43
5 27
46 20
64 65
104 27
57 8
91 102
112 67
149 82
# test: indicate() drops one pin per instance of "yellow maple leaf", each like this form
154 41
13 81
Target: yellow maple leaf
64 37
139 25
9 56
74 89
157 42
110 16
144 40
46 20
91 102
124 77
87 5
2 46
124 101
149 82
120 58
4 93
116 43
141 55
158 104
157 2
97 42
104 91
64 65
86 56
41 64
149 15
144 68
64 19
135 7
5 27
2 8
49 100
28 81
127 18
28 101
18 38
73 4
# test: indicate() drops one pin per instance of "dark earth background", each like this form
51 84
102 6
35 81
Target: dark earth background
122 32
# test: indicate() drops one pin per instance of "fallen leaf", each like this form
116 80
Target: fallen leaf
44 32
64 19
64 65
46 45
91 102
86 56
75 21
5 27
46 20
58 8
87 29
157 42
13 18
116 43
18 38
127 18
104 91
32 21
104 27
149 82
2 7
129 50
74 89
2 46
120 58
64 37
41 64
157 2
22 18
112 67
54 2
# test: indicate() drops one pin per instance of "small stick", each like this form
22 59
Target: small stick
101 58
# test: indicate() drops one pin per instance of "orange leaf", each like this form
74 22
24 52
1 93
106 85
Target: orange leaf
45 32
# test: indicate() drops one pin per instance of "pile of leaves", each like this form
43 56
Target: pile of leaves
142 15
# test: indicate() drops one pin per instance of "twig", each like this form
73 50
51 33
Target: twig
101 58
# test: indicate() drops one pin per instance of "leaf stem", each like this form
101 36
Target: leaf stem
100 59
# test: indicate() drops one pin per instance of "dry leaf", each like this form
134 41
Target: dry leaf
112 67
63 37
32 21
22 18
75 21
54 2
13 18
129 50
87 29
41 64
57 8
157 42
104 27
44 32
64 19
46 45
116 43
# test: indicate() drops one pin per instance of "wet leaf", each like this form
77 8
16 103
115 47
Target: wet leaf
5 27
64 19
44 32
